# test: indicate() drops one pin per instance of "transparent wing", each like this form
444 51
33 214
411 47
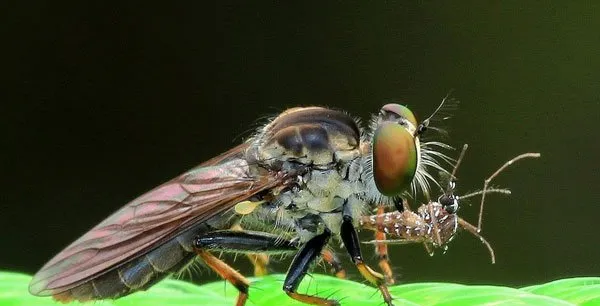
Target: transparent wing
153 218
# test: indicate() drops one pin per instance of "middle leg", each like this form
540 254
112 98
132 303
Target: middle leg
236 241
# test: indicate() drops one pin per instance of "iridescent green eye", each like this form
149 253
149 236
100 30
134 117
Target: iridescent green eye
398 110
394 158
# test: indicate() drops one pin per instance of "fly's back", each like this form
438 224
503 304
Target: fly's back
313 136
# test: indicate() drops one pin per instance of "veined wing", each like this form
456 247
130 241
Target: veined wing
153 218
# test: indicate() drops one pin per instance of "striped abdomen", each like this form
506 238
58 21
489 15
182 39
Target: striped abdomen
139 273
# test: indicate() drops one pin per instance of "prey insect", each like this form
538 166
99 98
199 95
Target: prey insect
307 176
434 224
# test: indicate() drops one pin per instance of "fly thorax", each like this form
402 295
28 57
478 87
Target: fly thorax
319 200
310 136
318 147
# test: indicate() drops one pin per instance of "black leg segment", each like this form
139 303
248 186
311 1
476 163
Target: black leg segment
352 244
244 242
399 204
302 261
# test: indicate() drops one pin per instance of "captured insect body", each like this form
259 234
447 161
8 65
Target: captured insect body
305 177
434 224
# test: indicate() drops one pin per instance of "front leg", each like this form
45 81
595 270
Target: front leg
352 244
302 261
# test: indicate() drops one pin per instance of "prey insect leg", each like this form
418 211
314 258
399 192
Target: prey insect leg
242 242
487 182
473 230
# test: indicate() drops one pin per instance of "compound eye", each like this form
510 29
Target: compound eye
394 158
394 111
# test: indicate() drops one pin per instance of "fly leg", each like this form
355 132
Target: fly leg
352 244
302 261
381 248
336 266
242 242
260 261
228 273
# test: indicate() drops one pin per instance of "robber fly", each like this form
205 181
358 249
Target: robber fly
311 170
434 224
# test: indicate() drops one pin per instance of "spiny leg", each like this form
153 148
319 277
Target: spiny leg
336 266
352 244
238 242
299 266
228 273
260 262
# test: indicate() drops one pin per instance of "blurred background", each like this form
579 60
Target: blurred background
102 102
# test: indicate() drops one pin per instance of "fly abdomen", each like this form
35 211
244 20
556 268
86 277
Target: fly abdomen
139 273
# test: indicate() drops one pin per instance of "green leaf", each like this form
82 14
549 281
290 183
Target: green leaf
579 291
268 291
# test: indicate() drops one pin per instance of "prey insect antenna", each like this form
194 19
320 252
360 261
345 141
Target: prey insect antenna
489 180
458 161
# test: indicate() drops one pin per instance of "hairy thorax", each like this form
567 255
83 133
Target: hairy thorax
321 147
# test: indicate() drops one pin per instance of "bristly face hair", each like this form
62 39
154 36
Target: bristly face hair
431 159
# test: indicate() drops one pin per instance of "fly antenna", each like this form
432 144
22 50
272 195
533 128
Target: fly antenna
440 106
425 123
486 183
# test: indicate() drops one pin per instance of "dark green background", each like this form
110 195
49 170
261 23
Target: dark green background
103 102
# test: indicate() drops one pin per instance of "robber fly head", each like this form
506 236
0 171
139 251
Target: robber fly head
395 149
399 160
